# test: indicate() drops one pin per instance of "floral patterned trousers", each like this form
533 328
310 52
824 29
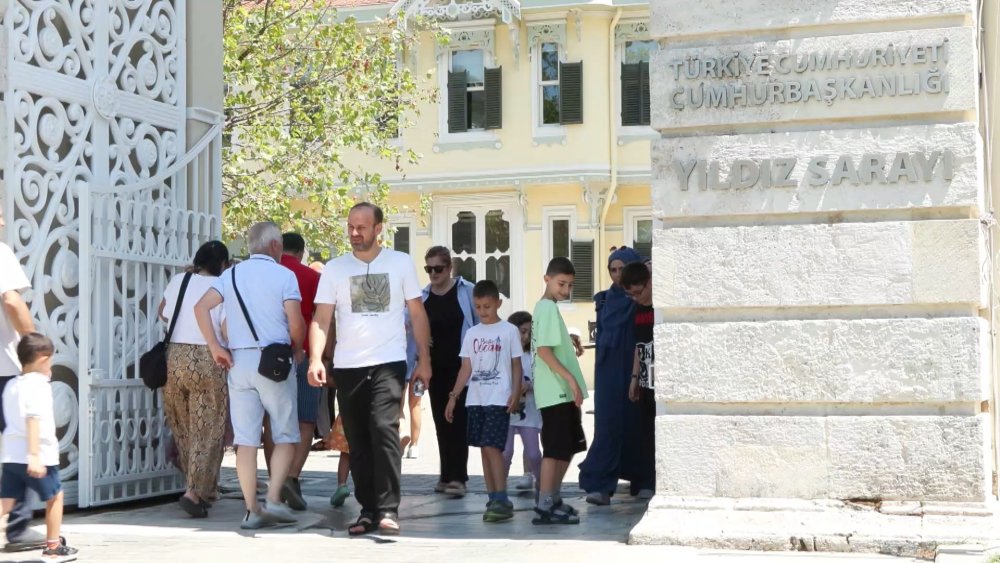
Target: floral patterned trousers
196 402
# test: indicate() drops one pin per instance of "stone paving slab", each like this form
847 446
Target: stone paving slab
435 527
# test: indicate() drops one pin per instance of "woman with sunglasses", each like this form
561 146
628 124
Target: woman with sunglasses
448 302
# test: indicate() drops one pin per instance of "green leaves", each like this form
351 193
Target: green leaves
304 91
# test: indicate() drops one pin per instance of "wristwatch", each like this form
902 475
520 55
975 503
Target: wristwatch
452 395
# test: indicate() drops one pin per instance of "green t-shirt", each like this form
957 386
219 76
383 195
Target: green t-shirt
548 329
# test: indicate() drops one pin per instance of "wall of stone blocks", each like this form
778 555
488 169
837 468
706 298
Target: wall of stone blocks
821 270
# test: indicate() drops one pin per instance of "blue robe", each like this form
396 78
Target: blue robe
614 418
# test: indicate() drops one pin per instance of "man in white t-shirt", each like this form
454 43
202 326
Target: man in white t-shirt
271 295
369 289
15 321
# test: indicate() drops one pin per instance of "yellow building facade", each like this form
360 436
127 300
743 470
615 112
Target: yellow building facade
538 144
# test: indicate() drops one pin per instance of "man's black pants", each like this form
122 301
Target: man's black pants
369 400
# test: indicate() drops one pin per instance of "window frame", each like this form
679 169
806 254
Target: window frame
466 139
403 220
544 133
552 213
628 133
543 84
481 87
631 215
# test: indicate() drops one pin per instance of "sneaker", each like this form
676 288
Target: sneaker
277 513
291 494
499 512
440 487
339 496
489 507
29 540
645 494
413 452
455 489
253 521
525 483
599 499
59 554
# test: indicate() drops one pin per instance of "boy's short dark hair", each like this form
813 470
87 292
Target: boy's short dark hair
486 288
33 346
634 274
560 266
519 318
293 242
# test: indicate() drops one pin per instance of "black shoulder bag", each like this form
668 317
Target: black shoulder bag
153 364
275 359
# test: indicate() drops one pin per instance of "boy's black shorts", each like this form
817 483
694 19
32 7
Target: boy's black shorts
562 432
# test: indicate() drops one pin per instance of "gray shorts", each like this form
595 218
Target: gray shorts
251 395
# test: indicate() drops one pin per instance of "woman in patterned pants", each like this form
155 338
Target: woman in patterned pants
196 397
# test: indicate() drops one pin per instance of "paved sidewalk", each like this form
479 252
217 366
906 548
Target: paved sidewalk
435 527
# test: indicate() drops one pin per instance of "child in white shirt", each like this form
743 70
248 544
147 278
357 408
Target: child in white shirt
491 357
526 422
30 448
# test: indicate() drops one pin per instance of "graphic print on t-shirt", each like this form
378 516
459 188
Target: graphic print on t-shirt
645 364
486 355
370 293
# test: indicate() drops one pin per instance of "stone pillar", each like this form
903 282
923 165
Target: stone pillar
823 364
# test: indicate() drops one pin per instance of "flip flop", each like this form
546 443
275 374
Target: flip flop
364 525
388 526
194 509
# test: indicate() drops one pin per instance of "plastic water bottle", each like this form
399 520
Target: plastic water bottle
419 388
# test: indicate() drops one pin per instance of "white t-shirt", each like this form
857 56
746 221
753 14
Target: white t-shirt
491 348
186 331
531 417
12 278
29 395
369 300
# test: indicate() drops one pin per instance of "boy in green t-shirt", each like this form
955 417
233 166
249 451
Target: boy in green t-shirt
559 393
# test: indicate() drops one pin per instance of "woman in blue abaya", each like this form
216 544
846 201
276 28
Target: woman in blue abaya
613 416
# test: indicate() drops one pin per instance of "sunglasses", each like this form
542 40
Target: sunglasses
435 269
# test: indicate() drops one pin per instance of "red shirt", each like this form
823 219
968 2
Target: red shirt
308 284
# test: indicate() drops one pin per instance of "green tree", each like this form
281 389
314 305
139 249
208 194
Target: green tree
304 92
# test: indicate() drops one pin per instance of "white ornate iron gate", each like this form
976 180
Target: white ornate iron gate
103 205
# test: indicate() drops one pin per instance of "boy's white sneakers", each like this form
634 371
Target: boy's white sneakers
525 483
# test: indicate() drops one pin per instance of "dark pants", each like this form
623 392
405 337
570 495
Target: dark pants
452 437
369 400
646 452
20 515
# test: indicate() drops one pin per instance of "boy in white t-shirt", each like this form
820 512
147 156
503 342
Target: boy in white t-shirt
491 357
30 448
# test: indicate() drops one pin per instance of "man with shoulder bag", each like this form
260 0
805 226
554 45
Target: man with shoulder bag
266 331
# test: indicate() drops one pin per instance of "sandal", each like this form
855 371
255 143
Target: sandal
388 526
565 508
364 525
546 517
194 509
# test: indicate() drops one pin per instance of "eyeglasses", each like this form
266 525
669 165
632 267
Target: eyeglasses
635 292
435 269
